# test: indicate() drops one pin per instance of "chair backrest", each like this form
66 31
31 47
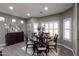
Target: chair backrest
55 38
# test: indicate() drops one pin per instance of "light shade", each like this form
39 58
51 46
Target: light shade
46 8
13 20
11 7
22 21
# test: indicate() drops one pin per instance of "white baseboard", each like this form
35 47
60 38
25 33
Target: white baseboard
2 44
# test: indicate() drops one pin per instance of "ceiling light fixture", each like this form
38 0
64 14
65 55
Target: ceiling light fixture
22 21
28 14
11 7
46 8
13 20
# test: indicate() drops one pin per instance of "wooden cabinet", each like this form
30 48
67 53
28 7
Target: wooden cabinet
13 38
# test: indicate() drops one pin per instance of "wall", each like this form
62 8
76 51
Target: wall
8 20
78 29
65 15
75 29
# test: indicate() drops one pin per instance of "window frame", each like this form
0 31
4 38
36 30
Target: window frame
65 29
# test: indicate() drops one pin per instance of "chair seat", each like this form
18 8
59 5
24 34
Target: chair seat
30 43
42 48
30 46
51 45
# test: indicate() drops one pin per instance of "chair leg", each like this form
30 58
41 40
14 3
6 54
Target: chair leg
37 53
0 53
56 50
56 47
46 53
33 53
26 47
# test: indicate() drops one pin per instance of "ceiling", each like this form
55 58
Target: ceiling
21 9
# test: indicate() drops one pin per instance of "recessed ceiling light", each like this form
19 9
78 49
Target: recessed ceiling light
11 7
46 8
13 20
28 14
22 21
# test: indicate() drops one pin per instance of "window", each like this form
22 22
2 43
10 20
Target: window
2 19
29 27
67 29
35 27
51 28
55 28
46 27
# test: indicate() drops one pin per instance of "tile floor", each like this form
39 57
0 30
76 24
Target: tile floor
20 50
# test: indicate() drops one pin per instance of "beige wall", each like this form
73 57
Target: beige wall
8 20
78 29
